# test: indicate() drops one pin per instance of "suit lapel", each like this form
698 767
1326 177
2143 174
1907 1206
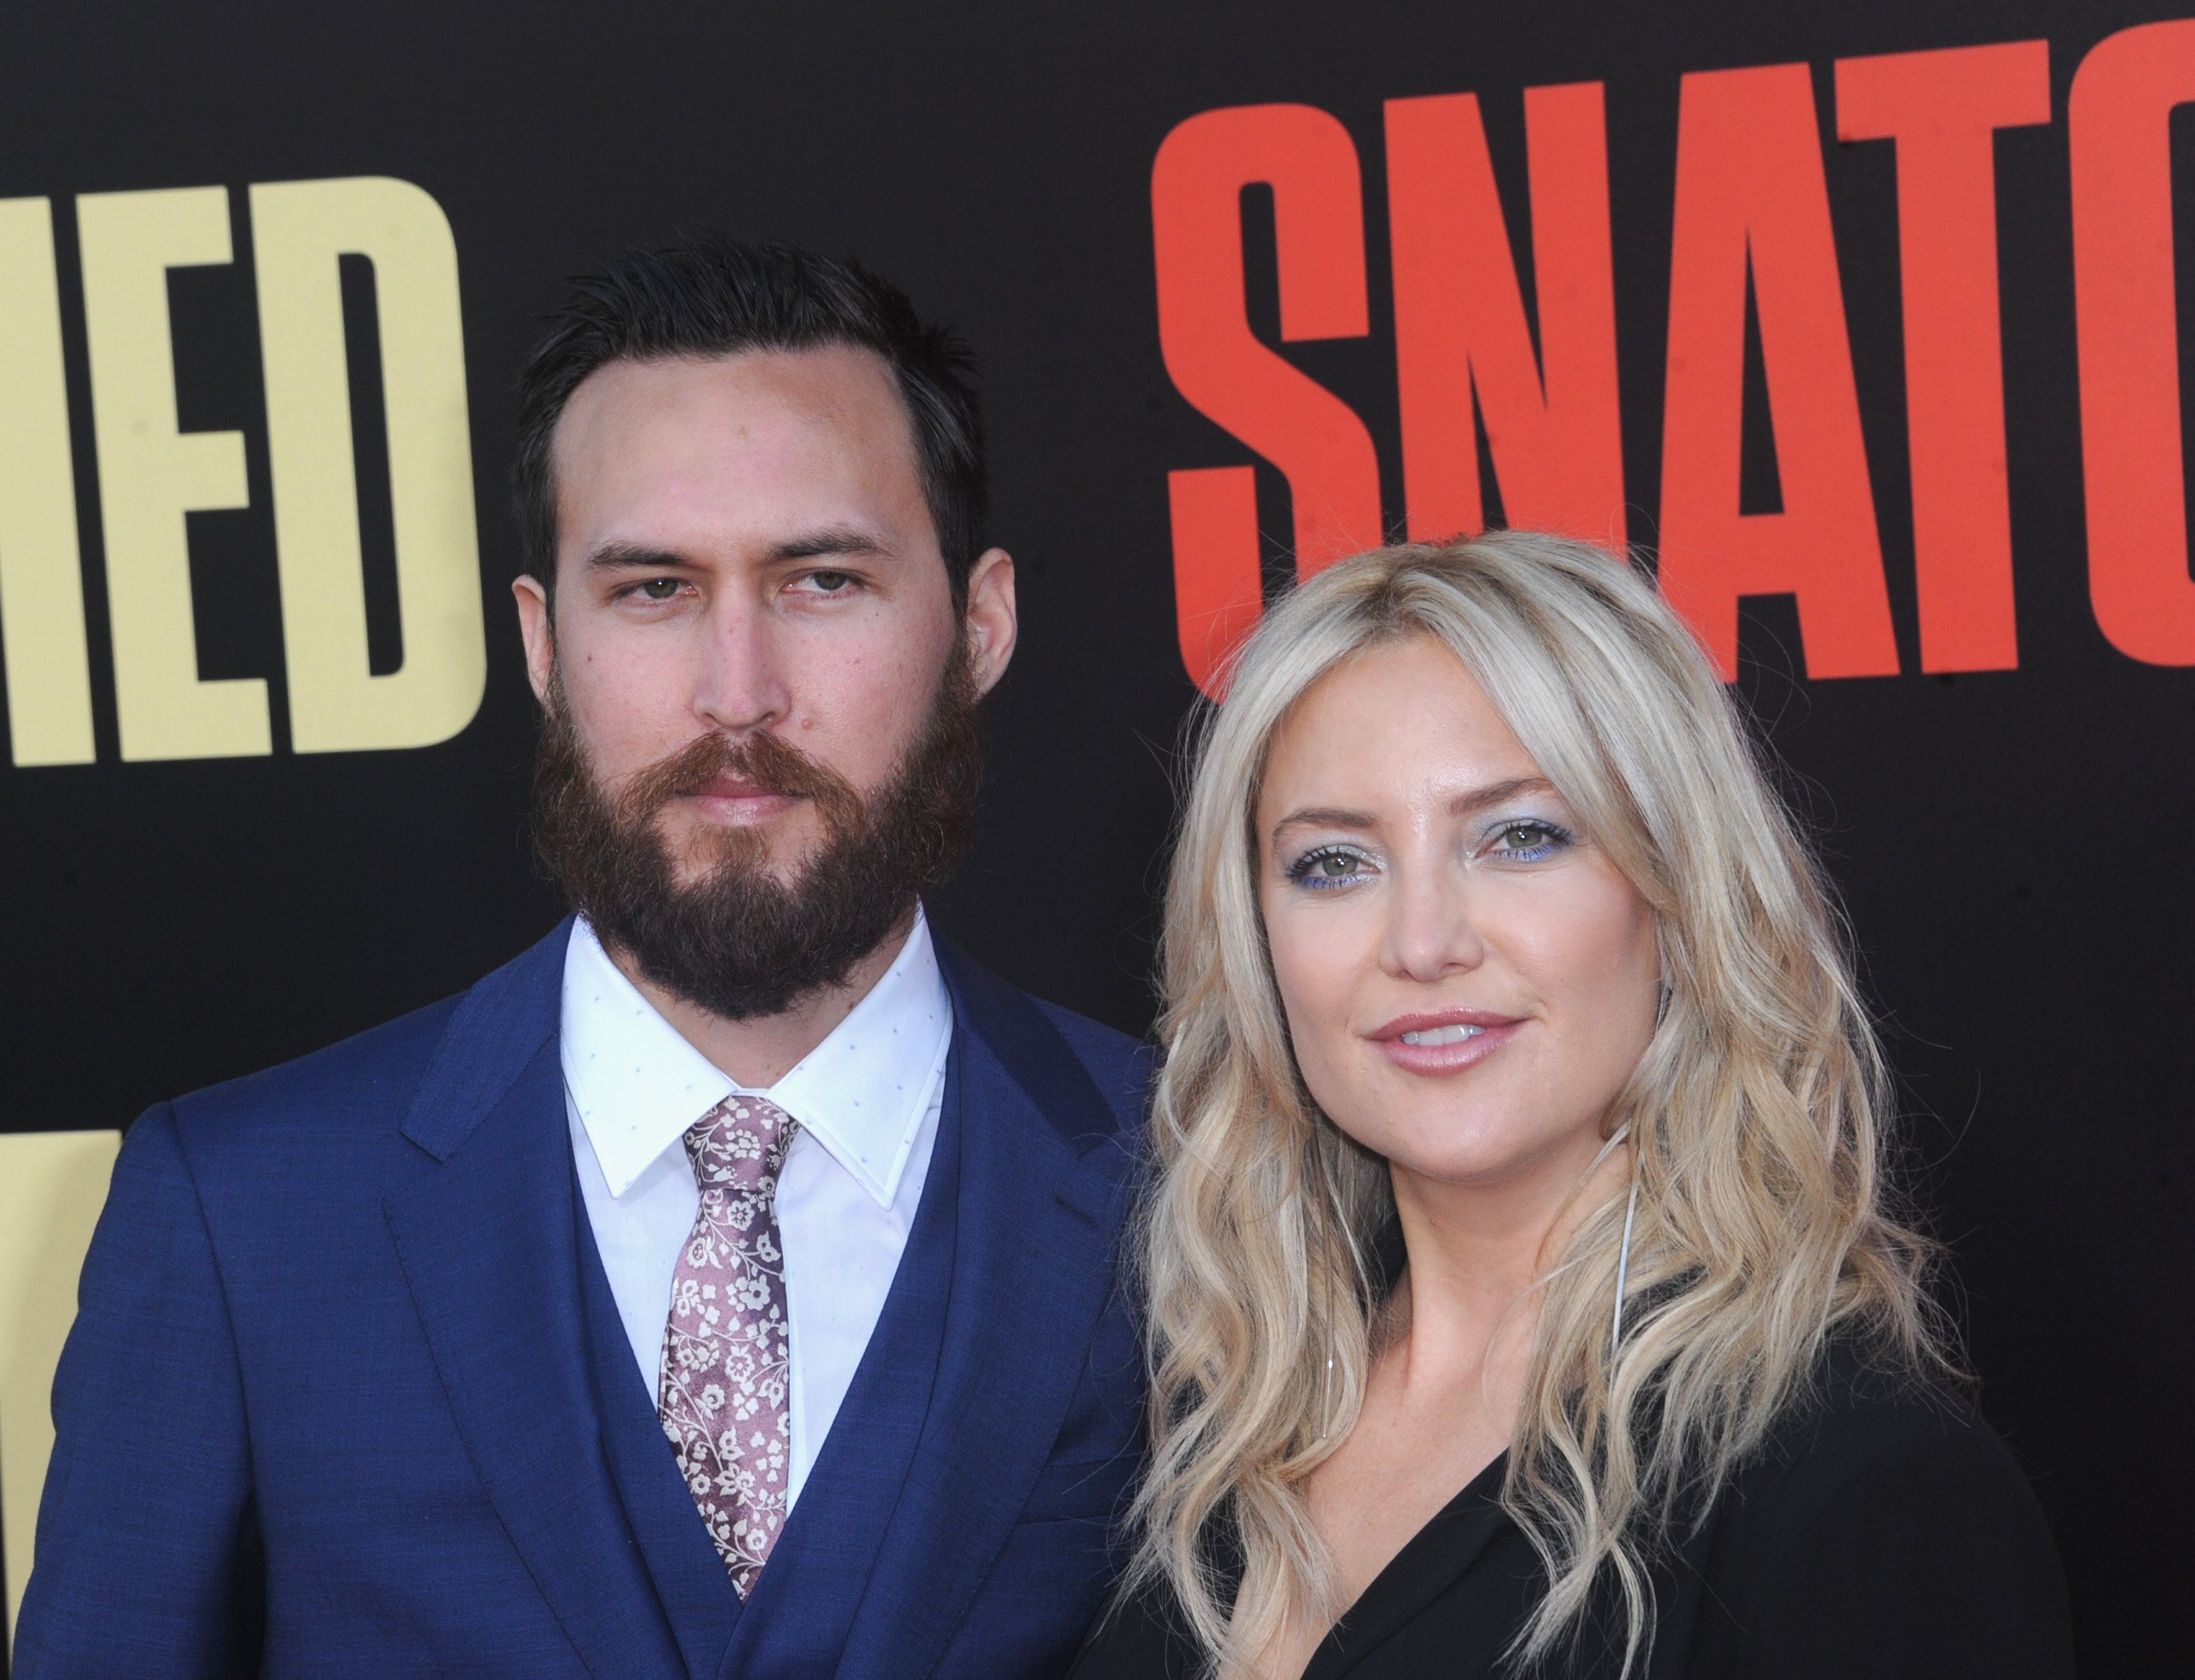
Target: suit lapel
486 1241
1042 1190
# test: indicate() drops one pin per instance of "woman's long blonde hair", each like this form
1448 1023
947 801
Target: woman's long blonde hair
1756 1118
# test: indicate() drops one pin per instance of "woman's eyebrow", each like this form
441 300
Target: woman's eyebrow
1495 793
1320 816
1464 804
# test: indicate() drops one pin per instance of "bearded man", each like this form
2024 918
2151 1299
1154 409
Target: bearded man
725 1285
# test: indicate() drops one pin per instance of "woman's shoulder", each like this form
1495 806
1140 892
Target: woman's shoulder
1884 1526
1141 1635
1871 1419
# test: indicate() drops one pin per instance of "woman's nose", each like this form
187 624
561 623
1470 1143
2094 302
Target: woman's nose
1431 930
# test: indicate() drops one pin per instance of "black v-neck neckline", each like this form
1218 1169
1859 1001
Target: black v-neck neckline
1427 1565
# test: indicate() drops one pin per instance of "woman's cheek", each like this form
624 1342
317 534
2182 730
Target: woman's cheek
1315 985
1312 966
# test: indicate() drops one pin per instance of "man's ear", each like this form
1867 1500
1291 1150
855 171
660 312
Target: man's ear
990 624
535 627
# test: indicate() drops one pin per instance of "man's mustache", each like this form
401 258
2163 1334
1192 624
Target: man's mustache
768 761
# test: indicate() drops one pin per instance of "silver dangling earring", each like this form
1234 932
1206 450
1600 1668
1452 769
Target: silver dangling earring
1326 1203
1624 1266
1326 1387
1631 1208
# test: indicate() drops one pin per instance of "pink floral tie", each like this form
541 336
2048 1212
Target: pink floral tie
723 1394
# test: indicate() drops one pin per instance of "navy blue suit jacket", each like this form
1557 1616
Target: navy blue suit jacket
347 1394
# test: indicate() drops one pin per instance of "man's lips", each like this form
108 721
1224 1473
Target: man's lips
735 799
739 787
1445 1041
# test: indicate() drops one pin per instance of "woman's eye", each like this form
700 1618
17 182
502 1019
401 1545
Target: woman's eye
1529 841
1331 866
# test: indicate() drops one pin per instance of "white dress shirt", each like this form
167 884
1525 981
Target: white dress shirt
867 1099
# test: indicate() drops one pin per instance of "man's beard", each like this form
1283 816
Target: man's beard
737 940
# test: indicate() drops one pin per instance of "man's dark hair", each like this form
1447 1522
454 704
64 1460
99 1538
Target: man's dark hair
712 295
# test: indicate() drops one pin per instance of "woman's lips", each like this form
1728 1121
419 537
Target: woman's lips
1445 1041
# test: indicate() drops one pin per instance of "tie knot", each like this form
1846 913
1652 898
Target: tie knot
740 1142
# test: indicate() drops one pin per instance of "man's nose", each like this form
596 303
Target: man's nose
741 683
1432 932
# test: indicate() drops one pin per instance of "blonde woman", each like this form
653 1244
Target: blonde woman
1525 1291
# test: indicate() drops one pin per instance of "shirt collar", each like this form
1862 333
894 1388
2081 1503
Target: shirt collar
863 1092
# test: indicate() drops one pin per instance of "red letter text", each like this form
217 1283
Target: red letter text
1943 109
1552 425
2118 127
1320 446
1750 188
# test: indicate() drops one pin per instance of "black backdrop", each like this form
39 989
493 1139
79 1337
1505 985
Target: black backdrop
2012 844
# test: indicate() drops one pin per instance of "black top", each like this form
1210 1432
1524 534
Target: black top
1884 1532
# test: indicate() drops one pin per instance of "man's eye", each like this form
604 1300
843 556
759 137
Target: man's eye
659 589
830 583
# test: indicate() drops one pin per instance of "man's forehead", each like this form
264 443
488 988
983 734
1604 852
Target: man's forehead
756 448
845 393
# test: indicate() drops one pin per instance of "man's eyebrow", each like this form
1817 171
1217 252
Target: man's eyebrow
634 557
825 540
831 540
1478 799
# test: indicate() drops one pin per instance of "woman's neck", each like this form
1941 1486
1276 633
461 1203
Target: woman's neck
1440 1400
1475 1253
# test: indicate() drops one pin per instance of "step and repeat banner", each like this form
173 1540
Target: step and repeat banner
1865 323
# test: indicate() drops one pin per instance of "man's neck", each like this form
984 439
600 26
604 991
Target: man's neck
762 1049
